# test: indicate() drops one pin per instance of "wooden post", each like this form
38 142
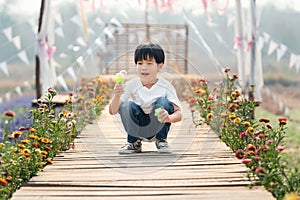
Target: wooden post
252 37
37 60
239 42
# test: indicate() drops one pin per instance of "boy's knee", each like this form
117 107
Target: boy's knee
165 103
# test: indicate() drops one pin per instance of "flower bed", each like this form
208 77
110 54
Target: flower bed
257 143
28 149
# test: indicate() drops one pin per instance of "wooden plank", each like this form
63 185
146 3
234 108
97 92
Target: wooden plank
200 167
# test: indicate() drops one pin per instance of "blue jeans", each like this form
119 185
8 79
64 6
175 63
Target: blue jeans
138 125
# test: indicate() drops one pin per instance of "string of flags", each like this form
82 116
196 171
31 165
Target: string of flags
267 41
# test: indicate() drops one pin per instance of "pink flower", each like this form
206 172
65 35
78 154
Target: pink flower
9 113
227 69
239 153
246 161
269 126
260 170
280 148
243 134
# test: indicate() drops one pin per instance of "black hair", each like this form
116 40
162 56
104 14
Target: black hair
150 50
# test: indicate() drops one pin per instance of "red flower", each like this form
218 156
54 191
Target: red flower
282 121
266 120
280 148
227 69
9 113
246 161
239 153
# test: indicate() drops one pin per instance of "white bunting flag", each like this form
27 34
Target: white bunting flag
99 21
58 19
298 65
75 19
1 100
3 67
7 96
99 42
293 60
91 31
81 63
81 42
19 91
8 33
71 71
108 33
272 47
17 42
59 31
266 37
23 56
281 50
62 82
115 22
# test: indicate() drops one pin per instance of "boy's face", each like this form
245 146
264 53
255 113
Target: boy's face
147 70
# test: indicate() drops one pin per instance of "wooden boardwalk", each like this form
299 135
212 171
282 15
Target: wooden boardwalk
200 167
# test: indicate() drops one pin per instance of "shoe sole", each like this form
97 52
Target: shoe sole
164 151
129 152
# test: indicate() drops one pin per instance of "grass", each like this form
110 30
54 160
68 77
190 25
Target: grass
292 139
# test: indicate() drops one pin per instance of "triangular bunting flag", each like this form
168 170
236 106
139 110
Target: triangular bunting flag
75 19
81 42
281 51
266 37
3 67
272 47
108 33
99 42
71 71
59 31
19 91
58 19
62 82
17 42
293 60
7 96
99 21
8 33
23 56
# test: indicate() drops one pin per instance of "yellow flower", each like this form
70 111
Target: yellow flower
25 141
49 161
209 116
22 146
237 120
3 181
45 140
200 91
291 196
33 137
16 134
246 123
232 116
250 130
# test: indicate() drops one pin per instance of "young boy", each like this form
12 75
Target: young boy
147 104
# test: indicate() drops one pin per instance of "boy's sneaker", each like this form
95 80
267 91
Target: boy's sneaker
129 148
162 146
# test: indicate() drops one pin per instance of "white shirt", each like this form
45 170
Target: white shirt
145 97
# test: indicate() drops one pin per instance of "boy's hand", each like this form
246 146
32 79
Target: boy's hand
163 115
118 89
